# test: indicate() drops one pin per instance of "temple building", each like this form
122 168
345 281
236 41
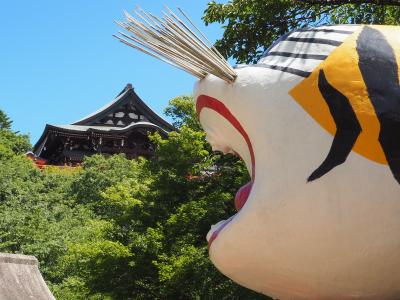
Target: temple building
119 127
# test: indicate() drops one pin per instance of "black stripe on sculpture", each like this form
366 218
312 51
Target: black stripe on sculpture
287 36
297 55
378 66
314 41
327 30
284 69
347 127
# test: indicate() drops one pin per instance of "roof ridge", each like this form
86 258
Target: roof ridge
125 90
126 95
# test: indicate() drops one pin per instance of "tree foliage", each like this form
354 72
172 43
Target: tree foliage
252 25
11 143
120 229
5 122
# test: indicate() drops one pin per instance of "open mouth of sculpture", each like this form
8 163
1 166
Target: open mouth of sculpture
243 193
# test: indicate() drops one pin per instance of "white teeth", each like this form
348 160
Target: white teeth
221 148
215 227
217 144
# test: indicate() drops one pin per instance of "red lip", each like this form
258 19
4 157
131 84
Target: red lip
242 195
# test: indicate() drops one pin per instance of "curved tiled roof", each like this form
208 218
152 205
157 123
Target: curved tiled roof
99 129
127 95
90 122
83 128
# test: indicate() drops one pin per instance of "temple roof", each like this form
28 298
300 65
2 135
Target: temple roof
128 103
125 113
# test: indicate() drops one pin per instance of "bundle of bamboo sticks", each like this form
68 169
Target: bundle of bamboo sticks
171 40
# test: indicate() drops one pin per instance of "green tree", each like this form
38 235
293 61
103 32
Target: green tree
158 212
125 229
11 143
182 111
40 216
252 25
5 122
190 197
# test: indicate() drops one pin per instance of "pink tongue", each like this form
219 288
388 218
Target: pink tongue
242 195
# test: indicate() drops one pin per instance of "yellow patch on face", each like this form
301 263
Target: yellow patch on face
343 73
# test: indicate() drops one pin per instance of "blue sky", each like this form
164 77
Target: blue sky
59 61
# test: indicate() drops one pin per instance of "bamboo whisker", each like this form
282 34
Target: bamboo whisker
171 40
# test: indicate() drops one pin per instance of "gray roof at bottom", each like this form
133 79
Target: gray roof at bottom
20 278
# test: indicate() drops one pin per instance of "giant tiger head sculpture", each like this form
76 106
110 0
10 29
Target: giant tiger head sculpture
317 122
